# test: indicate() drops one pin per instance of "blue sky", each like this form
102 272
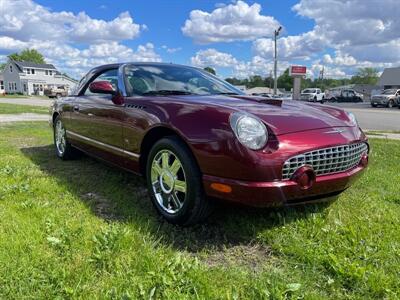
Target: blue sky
234 37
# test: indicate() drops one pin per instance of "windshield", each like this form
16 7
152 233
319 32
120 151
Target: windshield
389 92
309 91
147 80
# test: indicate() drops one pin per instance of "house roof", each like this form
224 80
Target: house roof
25 64
390 76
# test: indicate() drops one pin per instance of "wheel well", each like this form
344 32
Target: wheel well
55 115
149 140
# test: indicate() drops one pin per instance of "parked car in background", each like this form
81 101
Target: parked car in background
195 138
287 96
398 101
56 92
387 98
345 95
312 95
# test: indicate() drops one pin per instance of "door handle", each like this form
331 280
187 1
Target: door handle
76 108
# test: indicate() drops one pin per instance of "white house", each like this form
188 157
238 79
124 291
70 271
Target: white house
31 79
1 84
390 78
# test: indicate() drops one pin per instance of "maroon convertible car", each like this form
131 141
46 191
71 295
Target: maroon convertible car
196 138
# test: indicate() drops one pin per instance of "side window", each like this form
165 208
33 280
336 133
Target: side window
109 75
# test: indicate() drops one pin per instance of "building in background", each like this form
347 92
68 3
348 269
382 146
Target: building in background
259 90
2 91
390 78
32 79
241 87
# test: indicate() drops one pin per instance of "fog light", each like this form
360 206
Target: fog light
305 177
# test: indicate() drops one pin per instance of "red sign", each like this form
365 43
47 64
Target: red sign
297 70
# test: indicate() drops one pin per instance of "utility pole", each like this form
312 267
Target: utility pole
276 34
270 80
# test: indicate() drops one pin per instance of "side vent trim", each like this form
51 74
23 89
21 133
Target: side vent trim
135 106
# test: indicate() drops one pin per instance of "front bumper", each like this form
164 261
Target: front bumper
379 101
283 192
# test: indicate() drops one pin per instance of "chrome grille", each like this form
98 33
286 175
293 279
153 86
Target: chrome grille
326 161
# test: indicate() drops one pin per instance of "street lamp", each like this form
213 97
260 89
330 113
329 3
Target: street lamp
276 34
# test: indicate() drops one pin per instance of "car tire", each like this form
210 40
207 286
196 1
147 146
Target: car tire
390 104
64 149
174 183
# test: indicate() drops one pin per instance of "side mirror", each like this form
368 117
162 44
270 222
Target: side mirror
102 87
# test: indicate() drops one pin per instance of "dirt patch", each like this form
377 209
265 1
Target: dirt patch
251 256
101 206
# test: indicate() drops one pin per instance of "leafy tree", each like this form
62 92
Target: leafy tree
256 80
2 66
210 70
285 81
28 55
366 76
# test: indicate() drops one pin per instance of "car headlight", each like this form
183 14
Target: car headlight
249 130
352 118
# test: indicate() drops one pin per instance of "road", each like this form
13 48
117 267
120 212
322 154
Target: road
28 101
369 118
7 118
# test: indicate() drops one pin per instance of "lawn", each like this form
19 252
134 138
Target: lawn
6 108
81 229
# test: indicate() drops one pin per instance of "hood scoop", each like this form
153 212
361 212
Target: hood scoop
275 102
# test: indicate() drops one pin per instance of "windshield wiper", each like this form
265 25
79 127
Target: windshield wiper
167 92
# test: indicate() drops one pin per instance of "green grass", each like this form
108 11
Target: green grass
6 108
81 229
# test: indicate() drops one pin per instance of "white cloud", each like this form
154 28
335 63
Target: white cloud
363 33
233 22
239 69
355 22
25 20
291 47
25 24
213 58
171 50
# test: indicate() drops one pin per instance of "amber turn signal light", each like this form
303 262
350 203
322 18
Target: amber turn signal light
223 188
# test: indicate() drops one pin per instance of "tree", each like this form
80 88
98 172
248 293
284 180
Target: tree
28 55
210 70
285 81
366 76
2 66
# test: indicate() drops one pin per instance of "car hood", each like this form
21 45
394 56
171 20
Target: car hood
282 116
383 96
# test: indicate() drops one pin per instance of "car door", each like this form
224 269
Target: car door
98 121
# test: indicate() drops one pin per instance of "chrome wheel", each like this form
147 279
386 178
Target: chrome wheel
168 181
60 139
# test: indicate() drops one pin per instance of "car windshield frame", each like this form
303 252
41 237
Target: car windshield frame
309 91
164 80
